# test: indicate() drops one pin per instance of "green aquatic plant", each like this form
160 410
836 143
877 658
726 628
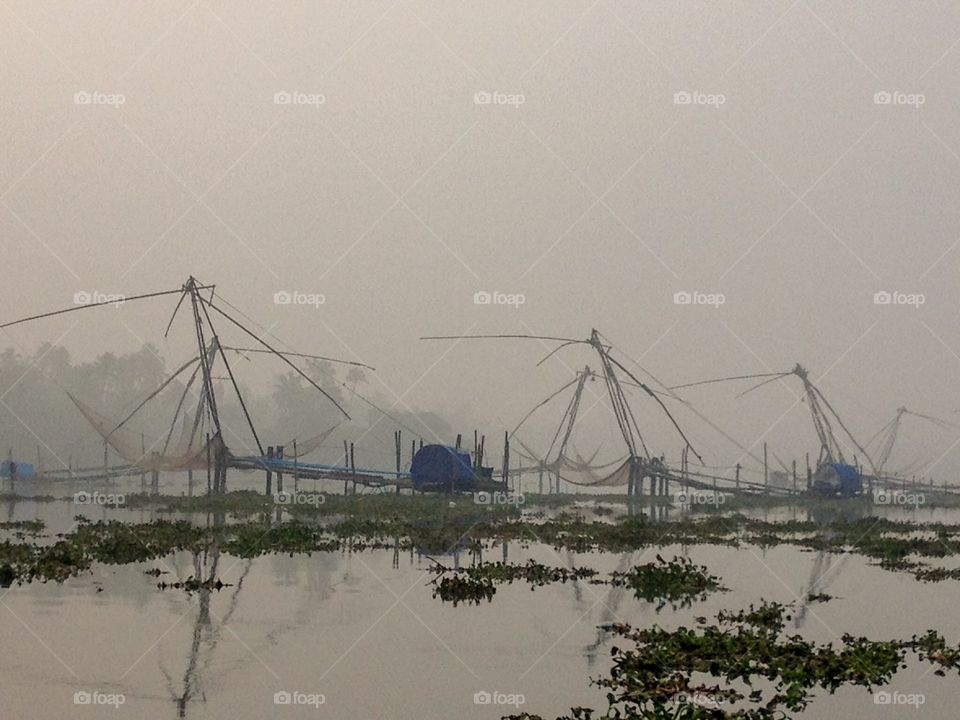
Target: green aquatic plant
756 671
678 582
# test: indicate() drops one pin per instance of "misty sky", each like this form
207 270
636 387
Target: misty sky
793 159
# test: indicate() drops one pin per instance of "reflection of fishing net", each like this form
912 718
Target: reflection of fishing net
188 452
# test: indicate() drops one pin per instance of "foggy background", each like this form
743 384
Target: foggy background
433 150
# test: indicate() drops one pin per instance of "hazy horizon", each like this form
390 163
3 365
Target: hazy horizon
595 158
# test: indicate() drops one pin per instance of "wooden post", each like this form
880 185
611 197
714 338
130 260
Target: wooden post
189 482
540 482
155 478
766 473
346 466
809 472
353 470
794 477
269 490
506 460
397 441
738 476
279 456
208 463
296 463
459 440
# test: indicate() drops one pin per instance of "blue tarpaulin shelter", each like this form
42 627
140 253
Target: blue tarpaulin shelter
22 469
839 477
442 465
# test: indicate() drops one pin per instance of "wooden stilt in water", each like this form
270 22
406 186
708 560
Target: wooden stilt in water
766 473
269 490
296 475
208 463
346 466
506 461
279 456
397 440
353 469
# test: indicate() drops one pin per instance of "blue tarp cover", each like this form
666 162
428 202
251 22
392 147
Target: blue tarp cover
441 464
23 469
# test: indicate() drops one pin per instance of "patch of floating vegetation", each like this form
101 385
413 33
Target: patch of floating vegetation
678 581
24 528
652 678
436 524
478 582
192 585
